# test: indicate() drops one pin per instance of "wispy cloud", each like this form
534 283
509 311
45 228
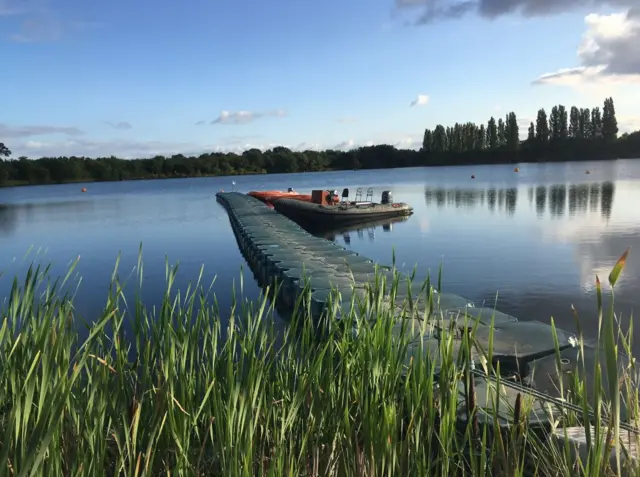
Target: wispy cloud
421 100
245 117
39 22
7 131
39 28
8 7
20 7
345 145
236 140
122 125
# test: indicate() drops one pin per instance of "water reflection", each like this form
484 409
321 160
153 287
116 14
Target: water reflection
556 199
14 215
496 199
8 219
331 232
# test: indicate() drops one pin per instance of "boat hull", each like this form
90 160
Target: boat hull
269 196
307 211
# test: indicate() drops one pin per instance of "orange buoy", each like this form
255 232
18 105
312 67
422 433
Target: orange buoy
84 189
517 169
473 176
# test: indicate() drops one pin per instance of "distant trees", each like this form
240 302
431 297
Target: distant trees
547 134
580 133
4 150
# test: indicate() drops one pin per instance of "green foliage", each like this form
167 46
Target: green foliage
4 150
174 393
587 135
492 134
512 132
609 121
542 128
596 123
531 133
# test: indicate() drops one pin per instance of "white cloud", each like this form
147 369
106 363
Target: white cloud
628 123
127 149
399 141
406 141
308 146
131 149
7 131
523 126
345 145
609 53
119 124
245 117
33 141
421 100
598 241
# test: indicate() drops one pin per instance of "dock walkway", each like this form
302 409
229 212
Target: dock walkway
277 248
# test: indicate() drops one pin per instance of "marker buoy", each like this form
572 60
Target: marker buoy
587 172
473 176
84 189
517 169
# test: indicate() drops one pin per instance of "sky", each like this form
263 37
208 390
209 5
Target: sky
136 79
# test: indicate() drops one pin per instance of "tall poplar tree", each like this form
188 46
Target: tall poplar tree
609 121
542 127
492 133
512 132
574 123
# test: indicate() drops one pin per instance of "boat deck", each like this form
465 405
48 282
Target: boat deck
340 211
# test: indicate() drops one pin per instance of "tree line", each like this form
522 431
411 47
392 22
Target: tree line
561 135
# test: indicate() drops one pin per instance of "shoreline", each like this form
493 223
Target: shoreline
263 173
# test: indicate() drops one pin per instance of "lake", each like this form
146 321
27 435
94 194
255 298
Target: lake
534 239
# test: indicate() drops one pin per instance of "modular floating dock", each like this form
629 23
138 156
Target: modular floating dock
275 247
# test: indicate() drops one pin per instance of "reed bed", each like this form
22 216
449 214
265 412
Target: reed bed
176 391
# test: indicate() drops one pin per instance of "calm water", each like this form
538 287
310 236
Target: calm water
536 238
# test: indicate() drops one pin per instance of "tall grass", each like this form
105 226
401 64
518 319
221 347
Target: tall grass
179 392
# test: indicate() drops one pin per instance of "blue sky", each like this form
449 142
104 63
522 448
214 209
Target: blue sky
139 78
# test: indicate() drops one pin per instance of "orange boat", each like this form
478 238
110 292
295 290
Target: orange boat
261 194
269 196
